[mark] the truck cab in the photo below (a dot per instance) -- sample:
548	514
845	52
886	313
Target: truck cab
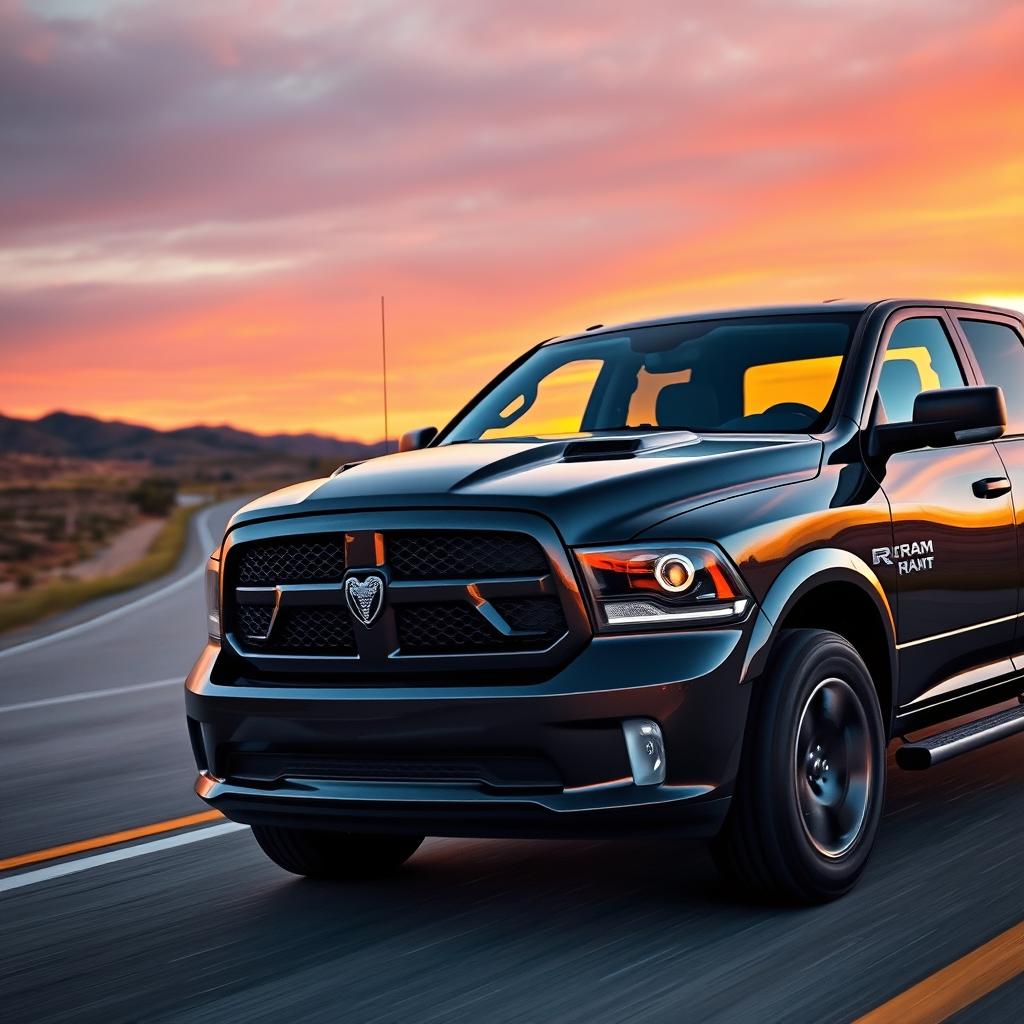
681	577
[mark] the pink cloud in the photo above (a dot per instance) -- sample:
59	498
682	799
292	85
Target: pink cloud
186	196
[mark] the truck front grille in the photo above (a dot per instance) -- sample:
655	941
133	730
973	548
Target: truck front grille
446	593
253	620
445	628
453	627
529	614
447	555
316	560
315	630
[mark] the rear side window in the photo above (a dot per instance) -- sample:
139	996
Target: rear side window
1000	354
919	358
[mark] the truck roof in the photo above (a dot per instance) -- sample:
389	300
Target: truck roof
828	306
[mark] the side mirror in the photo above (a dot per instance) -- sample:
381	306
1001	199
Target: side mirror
412	440
944	417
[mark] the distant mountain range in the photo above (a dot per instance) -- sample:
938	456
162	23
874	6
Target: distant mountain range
64	433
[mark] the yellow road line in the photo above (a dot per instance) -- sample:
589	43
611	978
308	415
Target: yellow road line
108	840
957	986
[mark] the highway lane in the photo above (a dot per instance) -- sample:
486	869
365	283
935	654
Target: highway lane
94	766
60	653
471	930
493	930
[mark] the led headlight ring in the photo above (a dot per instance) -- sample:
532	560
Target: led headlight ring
674	573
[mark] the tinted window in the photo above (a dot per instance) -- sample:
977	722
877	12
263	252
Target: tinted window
1000	355
919	358
559	403
750	374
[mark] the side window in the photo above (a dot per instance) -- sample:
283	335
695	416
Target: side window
919	357
556	407
1000	354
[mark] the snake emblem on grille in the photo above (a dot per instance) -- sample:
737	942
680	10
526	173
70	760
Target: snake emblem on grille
365	597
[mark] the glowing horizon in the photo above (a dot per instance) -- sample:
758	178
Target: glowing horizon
201	207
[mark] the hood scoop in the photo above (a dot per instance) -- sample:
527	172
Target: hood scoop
612	448
600	448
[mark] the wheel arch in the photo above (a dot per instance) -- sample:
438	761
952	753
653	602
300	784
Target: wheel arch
835	590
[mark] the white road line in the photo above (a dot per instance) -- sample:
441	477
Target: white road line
113	856
205	541
72	698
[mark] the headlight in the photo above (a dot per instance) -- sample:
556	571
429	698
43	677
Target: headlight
213	596
662	586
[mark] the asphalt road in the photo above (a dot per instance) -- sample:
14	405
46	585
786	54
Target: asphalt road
471	930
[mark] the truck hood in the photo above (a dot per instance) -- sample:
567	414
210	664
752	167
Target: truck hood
599	489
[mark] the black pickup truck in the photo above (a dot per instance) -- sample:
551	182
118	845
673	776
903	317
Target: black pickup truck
683	577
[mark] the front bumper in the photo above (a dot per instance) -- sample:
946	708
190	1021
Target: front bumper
687	682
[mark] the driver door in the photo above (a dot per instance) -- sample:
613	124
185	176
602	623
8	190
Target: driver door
953	559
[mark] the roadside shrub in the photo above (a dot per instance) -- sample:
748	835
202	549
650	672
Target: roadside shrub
155	496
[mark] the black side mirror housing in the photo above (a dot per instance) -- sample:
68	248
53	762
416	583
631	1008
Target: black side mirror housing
412	440
944	417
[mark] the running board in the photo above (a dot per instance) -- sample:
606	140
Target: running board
943	746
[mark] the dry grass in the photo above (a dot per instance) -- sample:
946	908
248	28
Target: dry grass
20	609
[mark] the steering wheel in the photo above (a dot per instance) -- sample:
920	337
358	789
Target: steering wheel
793	409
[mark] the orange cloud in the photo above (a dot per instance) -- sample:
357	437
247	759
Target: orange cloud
201	214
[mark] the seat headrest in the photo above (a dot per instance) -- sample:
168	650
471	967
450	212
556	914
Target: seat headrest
687	405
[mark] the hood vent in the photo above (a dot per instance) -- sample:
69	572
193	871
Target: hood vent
610	448
594	448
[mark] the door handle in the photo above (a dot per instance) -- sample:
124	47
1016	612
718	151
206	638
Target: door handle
990	487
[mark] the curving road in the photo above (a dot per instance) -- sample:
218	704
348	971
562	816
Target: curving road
194	924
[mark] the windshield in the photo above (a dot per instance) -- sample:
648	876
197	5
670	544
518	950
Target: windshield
768	374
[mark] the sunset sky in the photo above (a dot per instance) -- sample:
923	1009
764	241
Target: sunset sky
202	202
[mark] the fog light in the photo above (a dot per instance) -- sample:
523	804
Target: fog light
646	748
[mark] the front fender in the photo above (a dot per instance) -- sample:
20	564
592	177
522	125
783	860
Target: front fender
803	574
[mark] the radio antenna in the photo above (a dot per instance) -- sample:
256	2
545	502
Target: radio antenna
384	363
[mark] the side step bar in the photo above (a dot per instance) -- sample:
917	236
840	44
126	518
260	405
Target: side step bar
932	750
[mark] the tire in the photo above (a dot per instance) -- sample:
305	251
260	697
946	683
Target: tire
325	854
811	785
